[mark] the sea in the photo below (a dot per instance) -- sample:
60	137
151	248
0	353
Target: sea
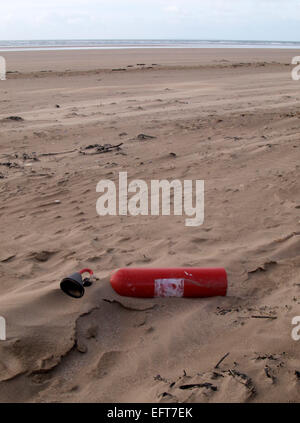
24	45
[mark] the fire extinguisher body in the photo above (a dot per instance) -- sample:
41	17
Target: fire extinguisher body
164	282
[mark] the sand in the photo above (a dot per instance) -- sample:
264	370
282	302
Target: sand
232	117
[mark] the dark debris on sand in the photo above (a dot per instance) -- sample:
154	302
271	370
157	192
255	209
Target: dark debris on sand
100	149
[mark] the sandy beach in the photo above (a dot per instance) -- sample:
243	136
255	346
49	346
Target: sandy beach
230	117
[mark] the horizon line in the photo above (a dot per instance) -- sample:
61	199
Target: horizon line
152	39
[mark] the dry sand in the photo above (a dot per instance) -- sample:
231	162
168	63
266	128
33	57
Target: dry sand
232	117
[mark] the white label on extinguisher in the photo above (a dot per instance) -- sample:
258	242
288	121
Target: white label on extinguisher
169	288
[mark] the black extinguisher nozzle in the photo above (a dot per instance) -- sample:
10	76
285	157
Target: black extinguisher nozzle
74	285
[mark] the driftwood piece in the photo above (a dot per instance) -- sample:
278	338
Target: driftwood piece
221	361
143	137
100	149
57	153
264	317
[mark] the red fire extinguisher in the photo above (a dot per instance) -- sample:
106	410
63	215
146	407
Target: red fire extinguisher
164	282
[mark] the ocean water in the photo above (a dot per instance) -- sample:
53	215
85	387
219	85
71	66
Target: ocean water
22	45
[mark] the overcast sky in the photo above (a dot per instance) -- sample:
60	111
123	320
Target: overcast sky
198	19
